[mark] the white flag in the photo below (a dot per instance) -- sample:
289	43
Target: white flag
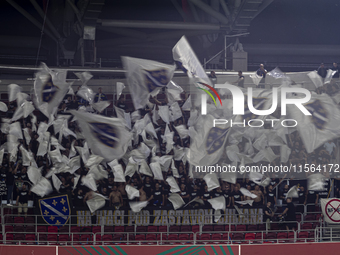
285	153
3	107
15	130
96	202
42	188
164	113
292	192
131	167
212	181
119	89
74	164
330	211
56	182
13	92
245	202
316	79
173	184
182	131
118	173
176	112
89	182
1	155
34	174
247	193
50	87
145	169
106	137
131	192
321	126
157	171
136	207
176	200
93	160
145	78
316	182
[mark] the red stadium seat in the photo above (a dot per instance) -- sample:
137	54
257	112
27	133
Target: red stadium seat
140	238
86	239
75	229
252	227
130	229
230	228
64	239
307	226
174	229
310	217
30	239
282	236
216	237
19	237
186	228
116	229
207	228
52	239
30	219
64	229
152	229
9	238
291	237
241	228
219	228
52	229
107	239
172	238
163	229
30	228
259	236
249	236
238	237
140	229
19	220
204	237
195	228
261	227
271	235
152	238
8	228
41	229
18	228
96	229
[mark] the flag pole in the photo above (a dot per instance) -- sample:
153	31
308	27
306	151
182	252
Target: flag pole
329	192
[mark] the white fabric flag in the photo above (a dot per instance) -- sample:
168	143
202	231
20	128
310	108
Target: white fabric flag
228	177
176	112
34	174
76	180
321	126
27	157
131	192
136	207
329	76
285	153
185	57
174	169
98	172
13	92
106	137
55	156
218	203
93	160
3	107
145	169
212	181
96	202
131	167
42	188
316	79
247	193
89	182
42	149
74	164
56	182
145	78
176	200
256	79
15	130
316	182
164	113
182	131
118	173
165	162
2	151
292	192
119	89
245	202
196	199
50	87
72	152
157	171
173	184
101	106
187	105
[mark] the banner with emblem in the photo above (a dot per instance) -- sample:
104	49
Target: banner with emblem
319	127
55	210
106	137
145	78
208	146
50	88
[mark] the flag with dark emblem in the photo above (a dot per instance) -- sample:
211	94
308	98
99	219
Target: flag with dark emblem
145	78
56	210
319	127
208	146
50	88
106	137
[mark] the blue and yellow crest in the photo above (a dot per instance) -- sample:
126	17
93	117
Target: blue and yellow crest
105	133
48	91
156	78
55	211
319	114
215	139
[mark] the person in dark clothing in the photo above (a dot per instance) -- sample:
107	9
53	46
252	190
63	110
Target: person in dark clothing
312	197
268	215
261	72
240	80
236	195
22	200
206	195
270	196
227	195
336	69
322	71
10	182
290	215
158	196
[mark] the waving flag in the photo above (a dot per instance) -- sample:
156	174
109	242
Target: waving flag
145	78
55	211
105	136
321	126
50	87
